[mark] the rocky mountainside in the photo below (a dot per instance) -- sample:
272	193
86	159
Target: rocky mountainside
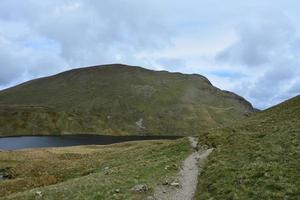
118	100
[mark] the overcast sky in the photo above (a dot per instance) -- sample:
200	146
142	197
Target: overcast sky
250	47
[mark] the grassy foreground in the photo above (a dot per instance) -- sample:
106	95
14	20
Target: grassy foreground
91	172
258	158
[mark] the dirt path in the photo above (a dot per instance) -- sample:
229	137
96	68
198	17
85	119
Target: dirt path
184	185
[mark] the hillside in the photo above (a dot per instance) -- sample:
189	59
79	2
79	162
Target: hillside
90	172
118	100
257	158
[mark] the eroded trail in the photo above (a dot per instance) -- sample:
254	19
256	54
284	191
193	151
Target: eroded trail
185	184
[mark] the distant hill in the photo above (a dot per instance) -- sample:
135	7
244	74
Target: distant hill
259	157
118	100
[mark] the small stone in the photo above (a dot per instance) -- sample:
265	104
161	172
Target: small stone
165	182
117	191
107	171
175	184
140	188
39	193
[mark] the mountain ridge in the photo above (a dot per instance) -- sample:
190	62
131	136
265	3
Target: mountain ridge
119	99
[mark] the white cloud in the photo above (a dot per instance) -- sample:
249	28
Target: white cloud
252	53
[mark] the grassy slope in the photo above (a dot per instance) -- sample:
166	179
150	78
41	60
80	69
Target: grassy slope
111	99
258	158
81	173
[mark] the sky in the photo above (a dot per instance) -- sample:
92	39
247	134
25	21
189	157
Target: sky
250	47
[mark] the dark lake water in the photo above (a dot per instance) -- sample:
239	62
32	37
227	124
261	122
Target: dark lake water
22	142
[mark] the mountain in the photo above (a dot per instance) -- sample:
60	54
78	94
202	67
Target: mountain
118	100
257	158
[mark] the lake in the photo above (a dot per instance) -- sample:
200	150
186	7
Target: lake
23	142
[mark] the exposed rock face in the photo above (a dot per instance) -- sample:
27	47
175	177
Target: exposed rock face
118	100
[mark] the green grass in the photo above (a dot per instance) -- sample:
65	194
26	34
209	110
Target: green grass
91	172
258	158
111	99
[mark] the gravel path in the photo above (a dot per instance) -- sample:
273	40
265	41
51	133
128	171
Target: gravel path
185	184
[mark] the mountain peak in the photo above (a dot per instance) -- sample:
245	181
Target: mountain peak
114	99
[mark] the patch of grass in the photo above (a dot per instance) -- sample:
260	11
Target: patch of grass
258	158
90	172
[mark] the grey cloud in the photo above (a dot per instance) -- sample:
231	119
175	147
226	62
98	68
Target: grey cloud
295	88
39	38
271	87
257	42
75	33
276	83
172	64
20	57
95	29
268	48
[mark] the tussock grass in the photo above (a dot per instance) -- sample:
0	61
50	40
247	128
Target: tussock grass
258	158
91	172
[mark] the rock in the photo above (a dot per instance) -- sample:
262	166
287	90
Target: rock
166	182
140	188
106	171
202	148
117	190
39	193
173	166
175	184
139	123
4	174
